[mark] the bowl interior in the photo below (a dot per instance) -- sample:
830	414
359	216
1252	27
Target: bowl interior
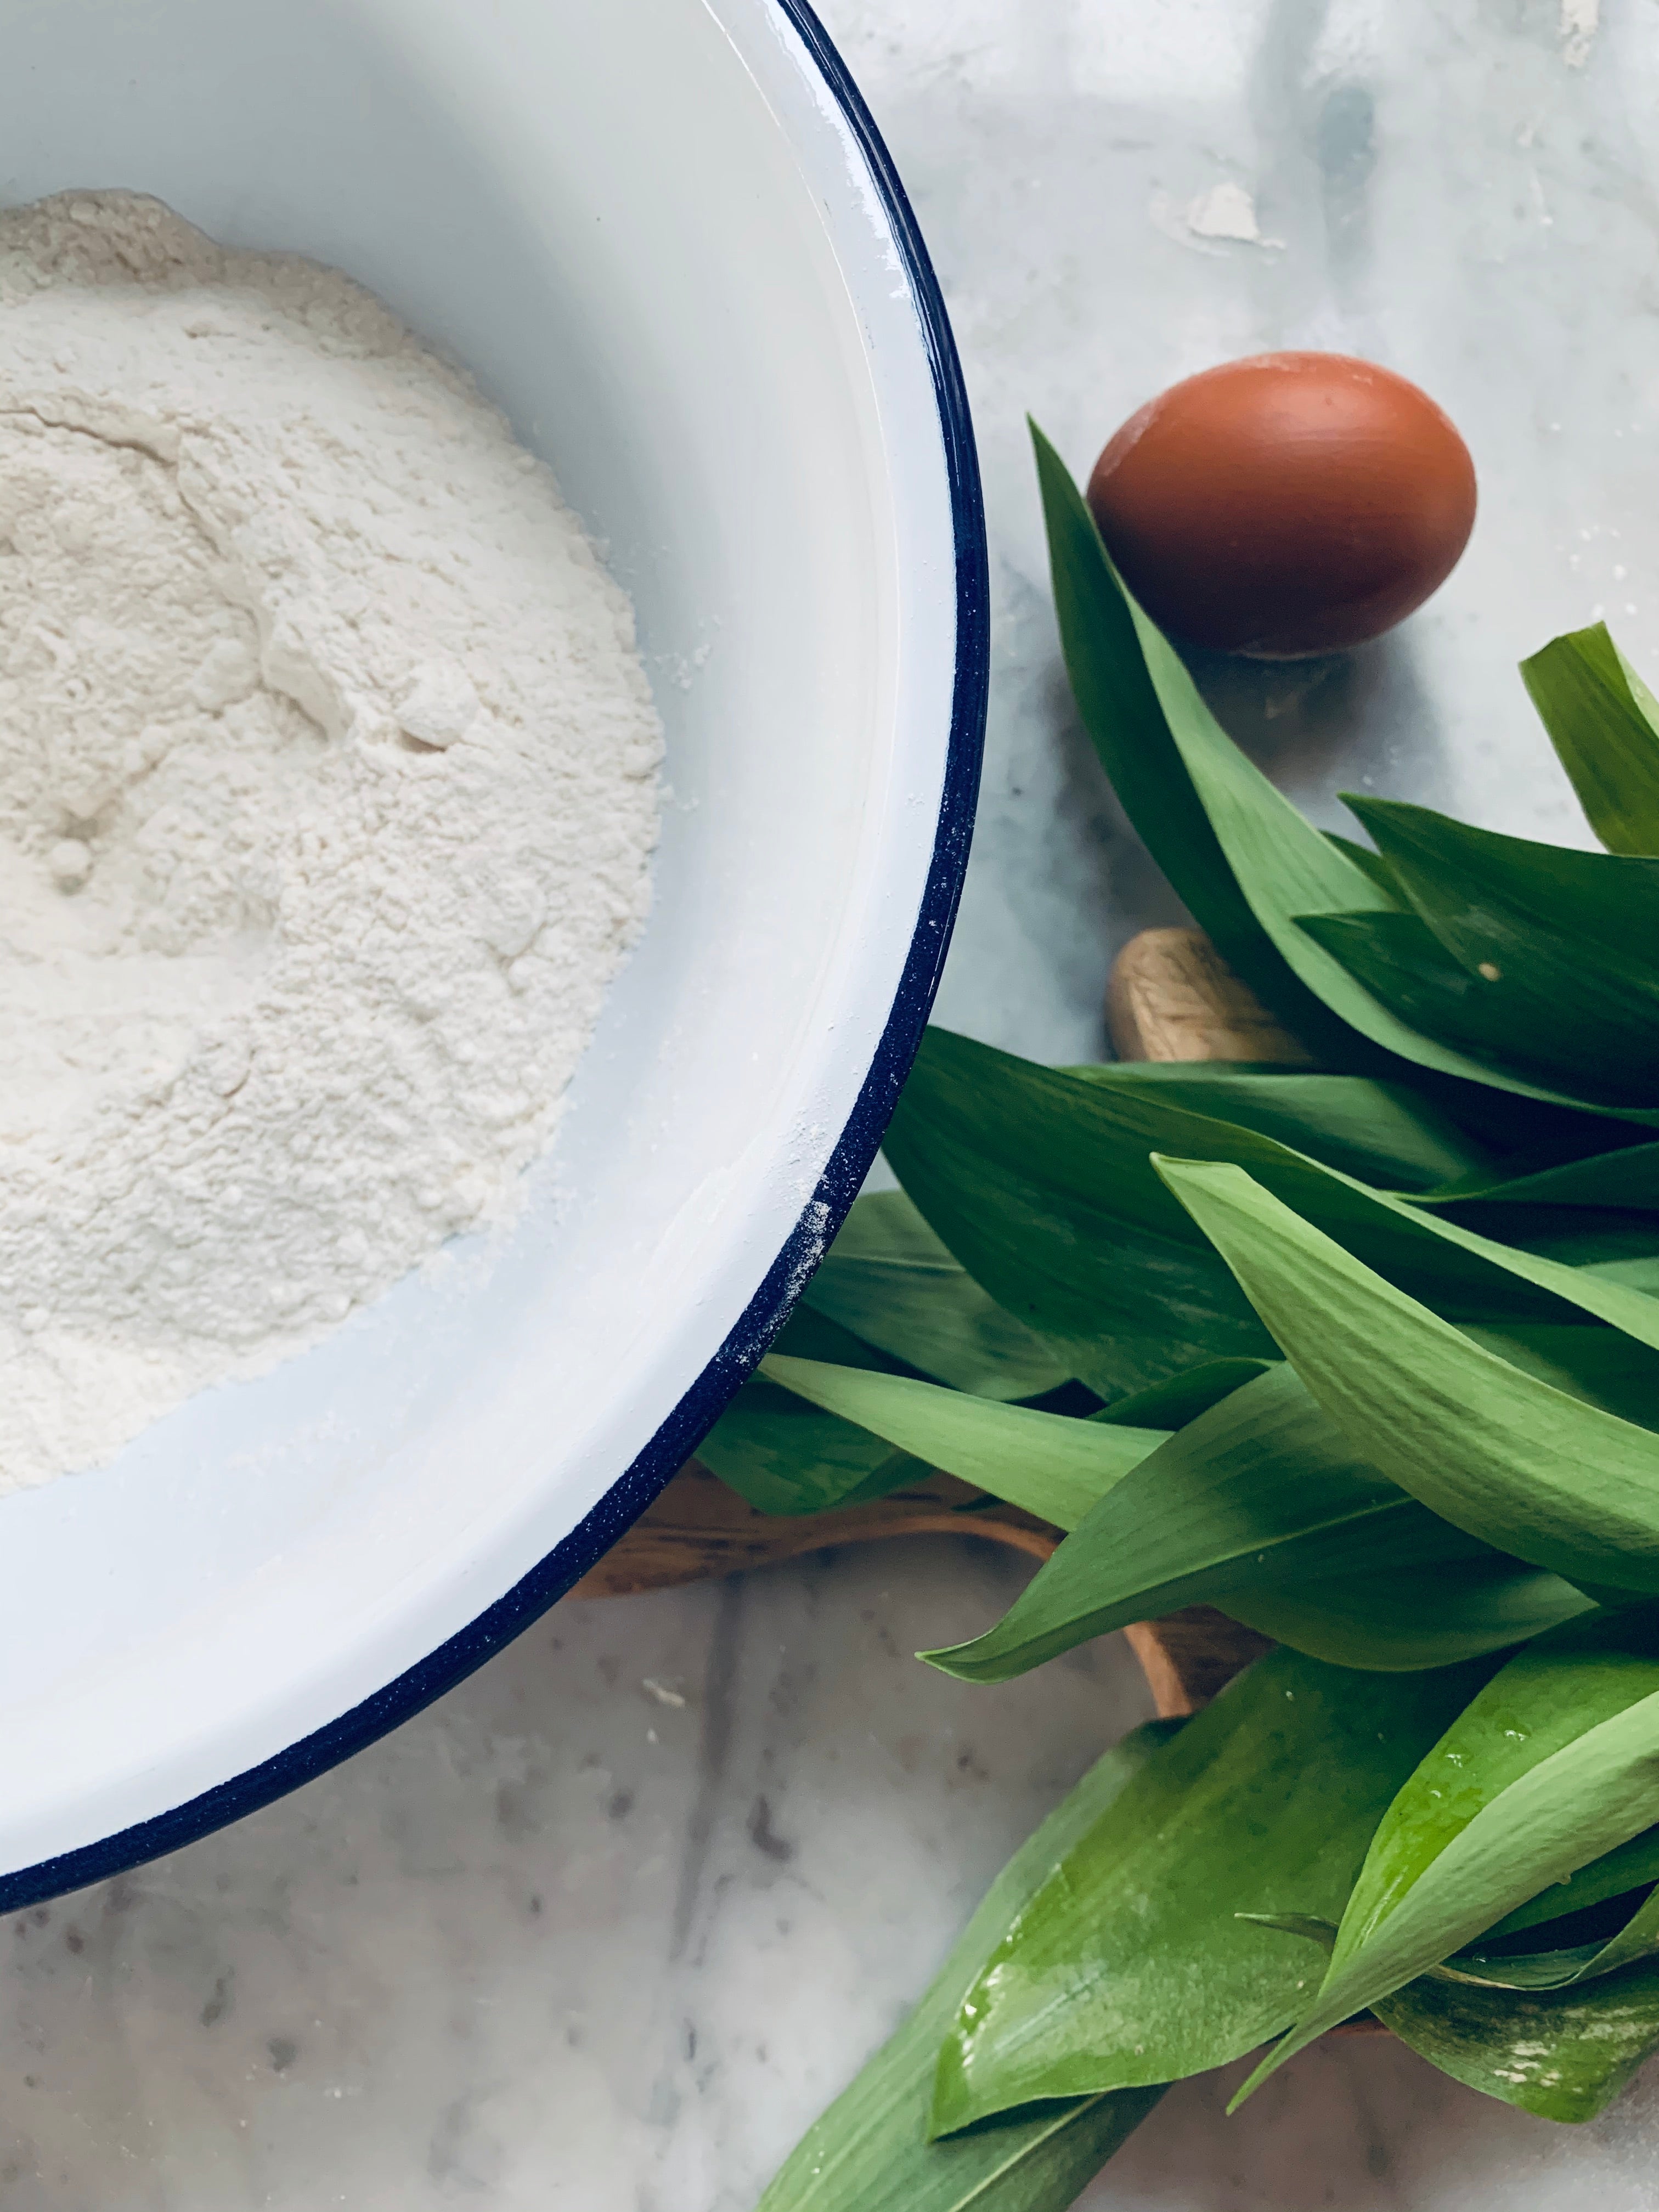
648	232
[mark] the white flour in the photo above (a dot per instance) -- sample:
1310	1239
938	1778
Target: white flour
327	792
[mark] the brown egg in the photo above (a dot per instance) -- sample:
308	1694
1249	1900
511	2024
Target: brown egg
1290	503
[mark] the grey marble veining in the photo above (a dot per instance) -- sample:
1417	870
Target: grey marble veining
604	1928
600	1930
607	1927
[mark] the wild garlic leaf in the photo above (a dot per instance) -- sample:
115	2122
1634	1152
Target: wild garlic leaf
1562	2054
1263	1490
1124	716
1171	1405
1541	1702
869	2152
785	1457
1614	1875
1510	1459
1131	1964
1553	1763
1427	1614
1556	942
1382	1133
1604	723
1042	1184
888	1278
1038	1182
1370	863
1046	1464
1625	1180
1602	1366
1511	1969
1403	965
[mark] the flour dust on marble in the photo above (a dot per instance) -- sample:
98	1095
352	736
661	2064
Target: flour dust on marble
327	794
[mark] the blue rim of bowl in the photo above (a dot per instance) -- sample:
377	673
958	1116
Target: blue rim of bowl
767	1311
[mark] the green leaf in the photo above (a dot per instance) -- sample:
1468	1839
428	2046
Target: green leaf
1039	1183
869	2153
1322	1932
1625	1179
1532	1133
1046	1463
1560	1968
1541	1702
1614	1875
1562	2054
1555	941
1495	1452
1565	2057
1555	1762
1370	863
1130	1964
1530	1970
787	1457
1401	962
809	1335
1042	1184
1423	1615
1604	723
889	1279
1588	1240
1640	1275
1121	711
1245	861
1171	1405
1600	1365
1381	1132
1254	1508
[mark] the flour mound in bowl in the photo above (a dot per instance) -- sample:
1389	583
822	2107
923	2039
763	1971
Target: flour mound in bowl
328	787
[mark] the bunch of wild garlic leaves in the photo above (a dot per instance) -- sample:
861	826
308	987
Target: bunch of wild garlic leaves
1367	1356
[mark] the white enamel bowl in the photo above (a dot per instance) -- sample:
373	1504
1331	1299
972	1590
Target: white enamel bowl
664	235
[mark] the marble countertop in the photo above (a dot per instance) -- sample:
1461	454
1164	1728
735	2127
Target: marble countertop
604	1928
